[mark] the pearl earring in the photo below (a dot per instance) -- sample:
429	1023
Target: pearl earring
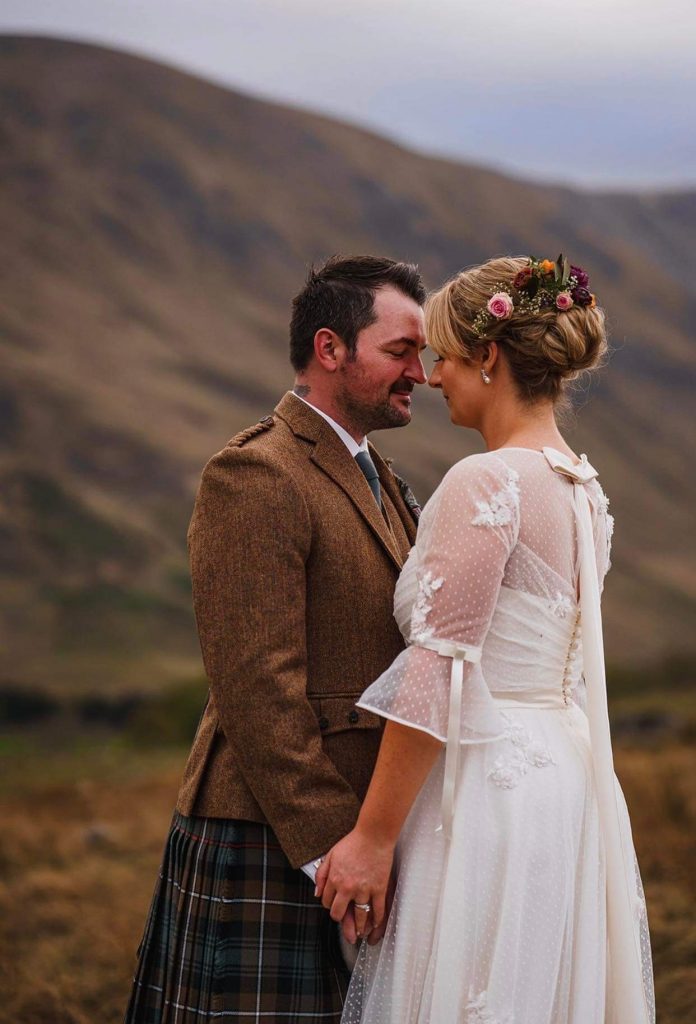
484	376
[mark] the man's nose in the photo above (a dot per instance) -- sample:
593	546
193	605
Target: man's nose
416	370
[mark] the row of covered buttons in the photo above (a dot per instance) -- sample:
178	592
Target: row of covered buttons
571	659
352	716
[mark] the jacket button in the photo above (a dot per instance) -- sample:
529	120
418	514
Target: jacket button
323	722
353	717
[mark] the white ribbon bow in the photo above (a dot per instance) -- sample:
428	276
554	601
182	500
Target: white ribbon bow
580	472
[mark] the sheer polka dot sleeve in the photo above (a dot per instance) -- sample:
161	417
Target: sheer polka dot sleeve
466	534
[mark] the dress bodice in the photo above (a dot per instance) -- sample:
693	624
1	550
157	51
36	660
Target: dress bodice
533	642
532	645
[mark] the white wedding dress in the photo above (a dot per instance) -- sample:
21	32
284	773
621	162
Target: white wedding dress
518	898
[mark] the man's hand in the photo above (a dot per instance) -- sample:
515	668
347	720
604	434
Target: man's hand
350	932
356	871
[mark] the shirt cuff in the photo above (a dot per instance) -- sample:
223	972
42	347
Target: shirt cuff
312	867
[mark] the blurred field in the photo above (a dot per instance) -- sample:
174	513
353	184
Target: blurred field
82	834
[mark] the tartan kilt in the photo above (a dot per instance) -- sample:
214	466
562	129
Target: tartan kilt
234	932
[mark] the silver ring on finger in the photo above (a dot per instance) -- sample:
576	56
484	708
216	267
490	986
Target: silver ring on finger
363	906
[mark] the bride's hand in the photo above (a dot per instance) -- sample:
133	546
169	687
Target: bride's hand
377	933
357	869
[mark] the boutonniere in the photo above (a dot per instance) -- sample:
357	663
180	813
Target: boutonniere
406	493
409	497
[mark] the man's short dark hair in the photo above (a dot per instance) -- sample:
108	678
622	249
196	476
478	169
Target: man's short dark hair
340	296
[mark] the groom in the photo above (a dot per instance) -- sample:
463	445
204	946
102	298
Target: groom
297	538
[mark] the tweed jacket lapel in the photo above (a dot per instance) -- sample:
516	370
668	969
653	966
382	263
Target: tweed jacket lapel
332	456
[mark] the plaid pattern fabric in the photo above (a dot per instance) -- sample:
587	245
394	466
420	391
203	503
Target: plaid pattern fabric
235	933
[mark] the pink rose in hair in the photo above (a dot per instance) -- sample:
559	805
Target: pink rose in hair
564	300
500	306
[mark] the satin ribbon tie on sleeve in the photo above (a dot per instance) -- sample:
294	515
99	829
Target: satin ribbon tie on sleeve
626	1001
459	653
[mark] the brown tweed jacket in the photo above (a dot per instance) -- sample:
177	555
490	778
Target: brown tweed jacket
293	569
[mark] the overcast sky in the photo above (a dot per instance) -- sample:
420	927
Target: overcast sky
596	92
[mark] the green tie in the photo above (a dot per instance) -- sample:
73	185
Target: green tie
368	470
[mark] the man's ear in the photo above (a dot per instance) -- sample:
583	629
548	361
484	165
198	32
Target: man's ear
327	346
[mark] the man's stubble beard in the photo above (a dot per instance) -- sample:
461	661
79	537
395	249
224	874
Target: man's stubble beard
365	415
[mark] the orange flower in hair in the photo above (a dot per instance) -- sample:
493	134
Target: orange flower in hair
547	266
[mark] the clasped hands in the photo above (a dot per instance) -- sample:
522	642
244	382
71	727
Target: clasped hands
358	870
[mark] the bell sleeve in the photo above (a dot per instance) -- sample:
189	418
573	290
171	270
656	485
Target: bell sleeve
465	536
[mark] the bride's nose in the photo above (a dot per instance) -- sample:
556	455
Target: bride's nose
434	380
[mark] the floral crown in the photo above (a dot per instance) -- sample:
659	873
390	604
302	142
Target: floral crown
539	285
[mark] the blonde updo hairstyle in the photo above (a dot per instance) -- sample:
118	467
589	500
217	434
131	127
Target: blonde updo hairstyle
544	349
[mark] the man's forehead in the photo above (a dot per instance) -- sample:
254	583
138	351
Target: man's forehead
398	308
388	297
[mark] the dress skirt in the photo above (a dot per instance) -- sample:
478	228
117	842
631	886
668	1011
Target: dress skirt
506	924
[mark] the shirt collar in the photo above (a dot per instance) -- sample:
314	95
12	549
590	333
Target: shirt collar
350	443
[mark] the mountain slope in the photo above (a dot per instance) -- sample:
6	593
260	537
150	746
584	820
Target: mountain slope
155	229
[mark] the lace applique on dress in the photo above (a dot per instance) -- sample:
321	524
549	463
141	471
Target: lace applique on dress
610	526
507	770
500	509
477	1013
603	510
422	606
560	605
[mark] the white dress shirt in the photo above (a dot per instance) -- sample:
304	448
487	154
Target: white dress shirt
351	444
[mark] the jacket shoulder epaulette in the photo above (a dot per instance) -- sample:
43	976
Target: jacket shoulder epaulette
246	435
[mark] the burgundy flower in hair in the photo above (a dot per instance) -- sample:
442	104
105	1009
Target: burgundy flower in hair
580	275
582	296
522	277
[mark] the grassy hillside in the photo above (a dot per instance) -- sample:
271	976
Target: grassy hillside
155	227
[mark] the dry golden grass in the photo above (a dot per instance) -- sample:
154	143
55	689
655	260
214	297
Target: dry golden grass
660	788
81	840
78	856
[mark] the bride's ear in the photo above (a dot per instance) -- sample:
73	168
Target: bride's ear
489	356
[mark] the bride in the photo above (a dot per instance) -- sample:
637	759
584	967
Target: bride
494	803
